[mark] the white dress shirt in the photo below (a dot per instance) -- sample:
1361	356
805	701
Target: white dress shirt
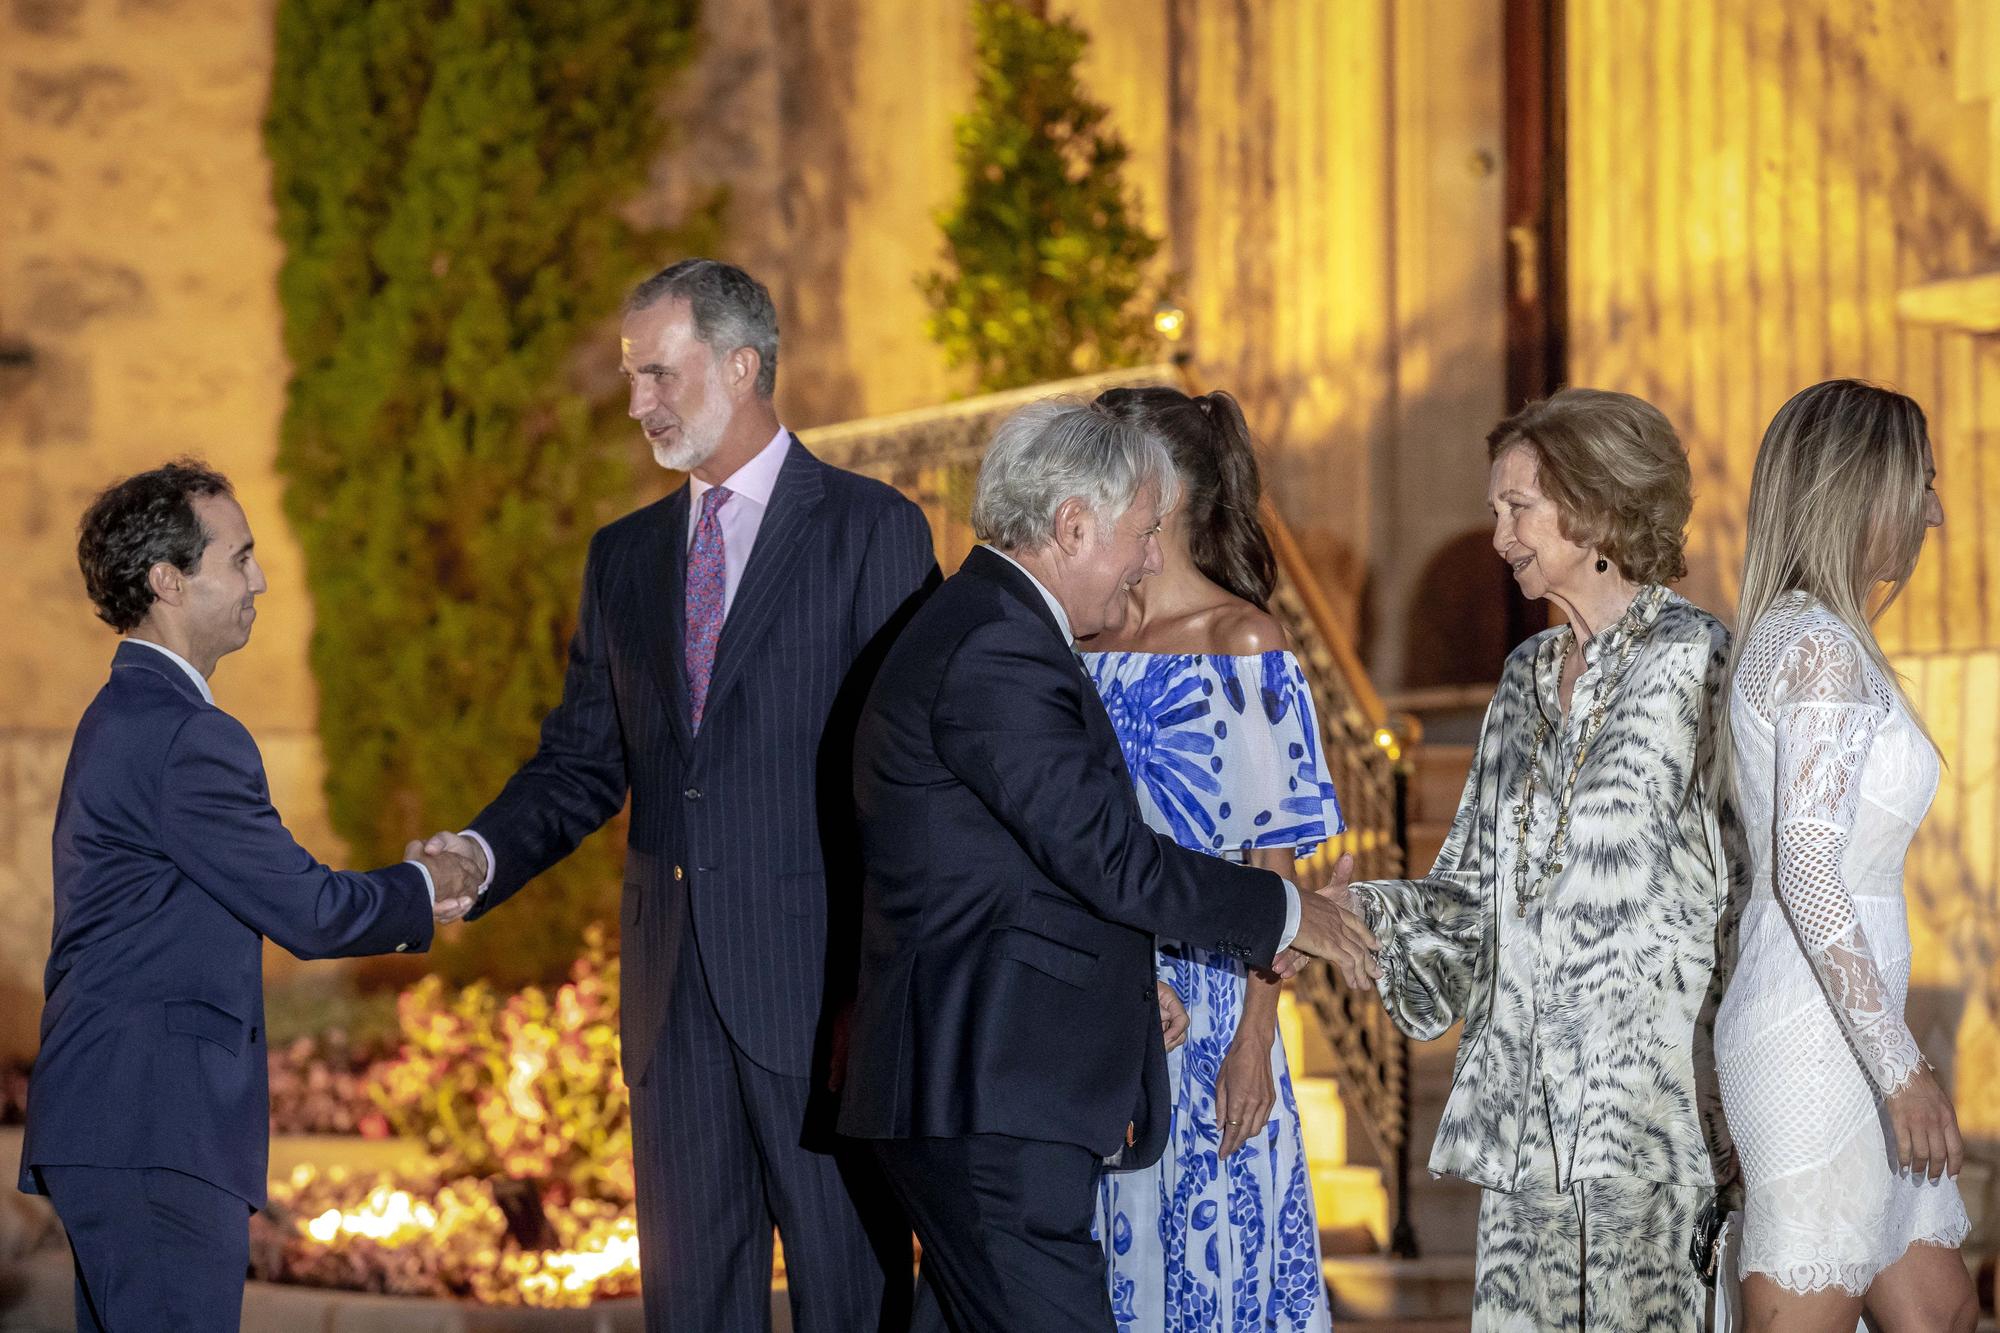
201	683
1062	621
750	488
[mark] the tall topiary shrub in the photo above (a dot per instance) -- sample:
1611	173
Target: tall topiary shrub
1045	271
448	176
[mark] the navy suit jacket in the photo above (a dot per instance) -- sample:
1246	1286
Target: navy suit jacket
1013	891
171	866
741	832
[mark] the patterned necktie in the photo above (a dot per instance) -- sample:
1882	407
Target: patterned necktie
707	580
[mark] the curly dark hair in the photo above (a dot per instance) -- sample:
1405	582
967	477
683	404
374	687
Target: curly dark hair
135	524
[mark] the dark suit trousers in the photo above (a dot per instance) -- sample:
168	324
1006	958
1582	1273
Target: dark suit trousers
156	1251
1005	1225
719	1151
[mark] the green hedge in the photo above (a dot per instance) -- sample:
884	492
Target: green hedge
448	177
1045	256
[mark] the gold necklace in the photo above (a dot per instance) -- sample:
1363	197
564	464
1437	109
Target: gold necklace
1552	864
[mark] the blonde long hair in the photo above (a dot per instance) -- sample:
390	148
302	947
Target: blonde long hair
1836	507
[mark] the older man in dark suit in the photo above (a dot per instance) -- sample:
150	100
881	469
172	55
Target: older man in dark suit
724	637
148	1116
1006	1039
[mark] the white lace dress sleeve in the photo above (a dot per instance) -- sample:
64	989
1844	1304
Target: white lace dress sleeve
1824	723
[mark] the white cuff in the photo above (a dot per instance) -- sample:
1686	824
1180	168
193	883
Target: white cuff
486	850
430	885
1291	914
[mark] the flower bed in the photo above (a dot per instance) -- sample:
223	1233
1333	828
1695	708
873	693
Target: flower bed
522	1195
414	1233
319	1085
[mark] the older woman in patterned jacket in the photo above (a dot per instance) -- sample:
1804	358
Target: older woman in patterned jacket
1574	917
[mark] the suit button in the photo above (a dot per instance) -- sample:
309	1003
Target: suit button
678	873
692	793
1147	995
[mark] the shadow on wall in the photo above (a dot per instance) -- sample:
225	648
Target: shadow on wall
1465	616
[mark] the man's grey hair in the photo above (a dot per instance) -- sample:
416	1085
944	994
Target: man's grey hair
1058	449
731	310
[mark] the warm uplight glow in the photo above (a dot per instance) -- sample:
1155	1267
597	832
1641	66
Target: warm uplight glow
528	1066
391	1216
1169	321
561	1277
1385	740
450	1238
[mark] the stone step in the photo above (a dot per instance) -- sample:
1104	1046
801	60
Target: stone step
1351	1200
1322	1119
1372	1289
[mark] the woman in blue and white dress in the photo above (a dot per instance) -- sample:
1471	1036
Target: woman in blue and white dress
1220	735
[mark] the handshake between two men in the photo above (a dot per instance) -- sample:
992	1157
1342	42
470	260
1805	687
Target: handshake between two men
457	867
1329	926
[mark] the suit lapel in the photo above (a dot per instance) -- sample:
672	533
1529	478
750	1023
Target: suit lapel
666	616
780	539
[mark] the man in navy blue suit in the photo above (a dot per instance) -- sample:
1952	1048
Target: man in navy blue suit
1007	1034
148	1115
725	637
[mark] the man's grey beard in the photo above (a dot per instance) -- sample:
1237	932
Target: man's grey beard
687	452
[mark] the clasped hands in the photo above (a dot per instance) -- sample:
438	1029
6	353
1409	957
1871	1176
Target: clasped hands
1330	928
458	868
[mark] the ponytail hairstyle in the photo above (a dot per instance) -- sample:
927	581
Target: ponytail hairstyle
1209	442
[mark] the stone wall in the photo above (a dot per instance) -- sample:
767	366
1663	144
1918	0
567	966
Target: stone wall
1320	208
137	265
1326	178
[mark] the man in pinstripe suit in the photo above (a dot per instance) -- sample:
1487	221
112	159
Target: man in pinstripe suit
725	637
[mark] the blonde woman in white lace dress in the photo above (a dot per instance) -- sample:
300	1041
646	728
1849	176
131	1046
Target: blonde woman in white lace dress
1848	1146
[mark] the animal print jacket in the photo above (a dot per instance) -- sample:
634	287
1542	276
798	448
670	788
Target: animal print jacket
1603	996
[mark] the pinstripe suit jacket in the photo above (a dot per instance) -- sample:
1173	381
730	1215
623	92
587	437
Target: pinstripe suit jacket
742	832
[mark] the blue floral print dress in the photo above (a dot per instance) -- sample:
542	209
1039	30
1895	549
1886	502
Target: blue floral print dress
1226	755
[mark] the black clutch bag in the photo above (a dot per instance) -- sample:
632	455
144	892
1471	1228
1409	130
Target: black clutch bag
1705	1248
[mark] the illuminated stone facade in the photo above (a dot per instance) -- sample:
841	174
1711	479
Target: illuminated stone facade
1752	189
1763	196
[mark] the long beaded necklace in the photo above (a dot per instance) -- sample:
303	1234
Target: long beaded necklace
1635	624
